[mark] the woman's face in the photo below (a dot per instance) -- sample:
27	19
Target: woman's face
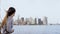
13	14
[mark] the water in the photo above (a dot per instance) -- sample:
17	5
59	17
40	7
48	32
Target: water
37	29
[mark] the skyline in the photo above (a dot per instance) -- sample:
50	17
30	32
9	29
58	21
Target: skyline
34	8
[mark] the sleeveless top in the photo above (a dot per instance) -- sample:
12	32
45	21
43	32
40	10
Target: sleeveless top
9	25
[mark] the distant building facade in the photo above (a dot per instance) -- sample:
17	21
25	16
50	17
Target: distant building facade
45	20
39	21
23	22
27	21
35	21
31	20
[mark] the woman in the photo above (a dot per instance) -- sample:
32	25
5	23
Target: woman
7	23
0	29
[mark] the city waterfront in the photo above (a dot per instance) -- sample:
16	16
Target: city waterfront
36	29
31	16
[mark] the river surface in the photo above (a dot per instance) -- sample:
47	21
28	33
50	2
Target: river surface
36	29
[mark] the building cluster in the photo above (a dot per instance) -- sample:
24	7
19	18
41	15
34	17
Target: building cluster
31	21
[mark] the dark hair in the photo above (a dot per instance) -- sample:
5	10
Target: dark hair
10	11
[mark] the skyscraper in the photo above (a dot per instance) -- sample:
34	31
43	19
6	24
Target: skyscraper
35	20
22	18
31	20
22	21
40	22
45	20
27	21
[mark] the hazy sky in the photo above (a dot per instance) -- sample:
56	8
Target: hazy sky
33	8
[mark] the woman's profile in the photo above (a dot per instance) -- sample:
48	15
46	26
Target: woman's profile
7	23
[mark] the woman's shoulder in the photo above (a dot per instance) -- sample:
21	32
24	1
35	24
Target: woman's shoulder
10	19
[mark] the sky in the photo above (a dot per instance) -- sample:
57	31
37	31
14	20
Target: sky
33	8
